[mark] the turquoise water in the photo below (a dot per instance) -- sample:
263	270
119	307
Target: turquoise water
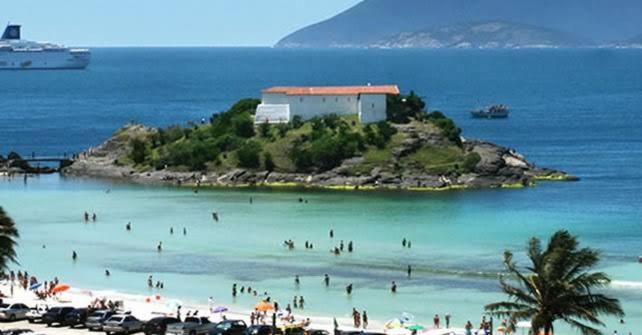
576	110
457	242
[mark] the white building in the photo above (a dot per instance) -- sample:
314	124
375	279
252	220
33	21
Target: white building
281	104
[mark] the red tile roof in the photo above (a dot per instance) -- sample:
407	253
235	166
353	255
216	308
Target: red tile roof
333	90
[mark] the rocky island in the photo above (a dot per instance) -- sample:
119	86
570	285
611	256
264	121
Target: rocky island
413	150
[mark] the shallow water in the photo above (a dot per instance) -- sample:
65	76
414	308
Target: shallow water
574	110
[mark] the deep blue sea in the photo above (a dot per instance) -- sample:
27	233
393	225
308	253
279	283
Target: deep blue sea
575	110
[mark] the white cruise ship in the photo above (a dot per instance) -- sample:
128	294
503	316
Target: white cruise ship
18	54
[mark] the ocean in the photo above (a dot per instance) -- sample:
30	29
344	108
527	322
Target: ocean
574	110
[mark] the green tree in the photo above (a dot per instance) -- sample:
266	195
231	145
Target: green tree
264	129
139	151
268	162
248	155
558	285
401	109
8	236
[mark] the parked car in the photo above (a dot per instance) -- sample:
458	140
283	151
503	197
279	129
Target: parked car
229	327
56	315
13	312
96	320
193	325
316	332
158	326
263	330
35	314
122	324
77	317
18	331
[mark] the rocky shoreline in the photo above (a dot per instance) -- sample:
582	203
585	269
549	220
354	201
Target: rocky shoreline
499	167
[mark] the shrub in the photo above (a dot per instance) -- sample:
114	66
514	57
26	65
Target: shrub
264	129
139	151
471	161
248	155
447	126
268	162
296	122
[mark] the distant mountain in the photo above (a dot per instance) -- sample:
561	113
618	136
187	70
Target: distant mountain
372	21
492	34
633	43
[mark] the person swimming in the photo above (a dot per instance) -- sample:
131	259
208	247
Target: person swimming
215	216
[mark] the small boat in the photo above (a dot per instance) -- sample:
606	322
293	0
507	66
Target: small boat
492	112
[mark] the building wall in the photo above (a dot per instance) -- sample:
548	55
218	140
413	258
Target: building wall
372	108
369	107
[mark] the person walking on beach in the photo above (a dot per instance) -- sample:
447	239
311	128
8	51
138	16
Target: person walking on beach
365	319
447	318
326	280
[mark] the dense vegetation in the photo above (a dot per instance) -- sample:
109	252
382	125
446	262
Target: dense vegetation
232	140
8	236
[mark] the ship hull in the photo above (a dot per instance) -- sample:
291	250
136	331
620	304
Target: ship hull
44	60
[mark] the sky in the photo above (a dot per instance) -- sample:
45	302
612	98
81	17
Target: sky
166	22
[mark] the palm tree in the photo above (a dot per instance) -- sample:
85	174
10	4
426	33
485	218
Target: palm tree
558	285
8	234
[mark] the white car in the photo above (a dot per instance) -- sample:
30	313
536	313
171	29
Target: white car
35	314
13	312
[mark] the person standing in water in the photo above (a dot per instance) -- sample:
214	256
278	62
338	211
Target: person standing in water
301	302
349	289
350	248
297	281
331	233
326	280
393	287
107	273
171	230
74	255
409	270
128	227
234	290
447	318
184	231
159	247
403	242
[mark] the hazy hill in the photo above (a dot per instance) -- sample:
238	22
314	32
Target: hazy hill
373	20
491	34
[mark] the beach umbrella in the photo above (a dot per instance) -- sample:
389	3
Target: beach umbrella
35	286
264	306
415	327
60	288
406	317
219	309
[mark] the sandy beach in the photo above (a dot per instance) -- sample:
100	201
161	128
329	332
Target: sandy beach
147	307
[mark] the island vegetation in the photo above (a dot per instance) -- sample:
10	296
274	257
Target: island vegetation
8	236
413	148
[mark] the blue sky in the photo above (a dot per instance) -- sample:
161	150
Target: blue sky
166	22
